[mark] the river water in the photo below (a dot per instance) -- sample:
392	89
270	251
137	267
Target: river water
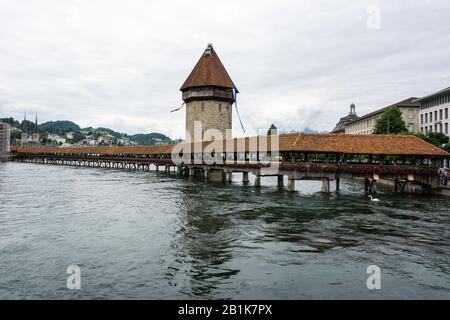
143	235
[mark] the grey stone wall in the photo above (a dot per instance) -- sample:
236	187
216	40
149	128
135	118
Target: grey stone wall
212	114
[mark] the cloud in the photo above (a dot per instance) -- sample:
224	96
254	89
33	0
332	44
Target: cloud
297	64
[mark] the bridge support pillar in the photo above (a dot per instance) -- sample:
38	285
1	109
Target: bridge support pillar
206	172
245	177
178	170
338	184
291	184
257	180
325	185
370	185
280	181
157	168
229	177
374	186
191	172
216	175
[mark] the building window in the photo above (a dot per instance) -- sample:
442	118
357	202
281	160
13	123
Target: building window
435	116
440	114
431	116
446	128
421	119
446	113
411	127
410	113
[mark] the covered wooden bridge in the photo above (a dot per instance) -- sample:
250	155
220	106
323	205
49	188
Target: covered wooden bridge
403	159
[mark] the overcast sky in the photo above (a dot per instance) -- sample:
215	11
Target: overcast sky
298	64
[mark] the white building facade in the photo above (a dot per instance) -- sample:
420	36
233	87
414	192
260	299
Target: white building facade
409	108
434	112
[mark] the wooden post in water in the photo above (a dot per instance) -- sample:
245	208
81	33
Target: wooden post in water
245	177
280	181
291	183
257	180
325	185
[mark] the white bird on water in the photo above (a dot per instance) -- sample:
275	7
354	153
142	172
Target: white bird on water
374	199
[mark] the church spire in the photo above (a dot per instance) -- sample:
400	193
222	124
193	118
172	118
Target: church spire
24	127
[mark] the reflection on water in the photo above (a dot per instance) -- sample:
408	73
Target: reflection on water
143	235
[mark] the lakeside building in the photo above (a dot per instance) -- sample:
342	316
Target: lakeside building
409	108
5	139
434	112
352	116
56	138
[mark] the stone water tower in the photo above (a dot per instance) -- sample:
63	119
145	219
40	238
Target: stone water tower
208	94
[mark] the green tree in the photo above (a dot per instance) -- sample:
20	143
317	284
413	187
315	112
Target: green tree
391	122
77	137
272	130
437	138
16	135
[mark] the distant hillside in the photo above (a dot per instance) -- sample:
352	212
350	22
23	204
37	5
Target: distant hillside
150	138
59	126
308	130
11	122
115	134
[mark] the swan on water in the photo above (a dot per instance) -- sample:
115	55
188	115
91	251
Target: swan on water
373	199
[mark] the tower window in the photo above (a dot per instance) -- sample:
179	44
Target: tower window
203	106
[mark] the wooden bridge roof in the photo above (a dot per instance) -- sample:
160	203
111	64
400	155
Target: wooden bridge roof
407	145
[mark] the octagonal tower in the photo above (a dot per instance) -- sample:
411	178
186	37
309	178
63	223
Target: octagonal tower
208	93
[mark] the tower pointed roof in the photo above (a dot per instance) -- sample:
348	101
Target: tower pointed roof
209	71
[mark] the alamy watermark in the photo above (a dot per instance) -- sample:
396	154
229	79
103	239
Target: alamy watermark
74	279
373	17
374	280
222	150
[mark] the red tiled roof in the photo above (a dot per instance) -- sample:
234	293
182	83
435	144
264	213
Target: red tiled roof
364	144
209	71
407	145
